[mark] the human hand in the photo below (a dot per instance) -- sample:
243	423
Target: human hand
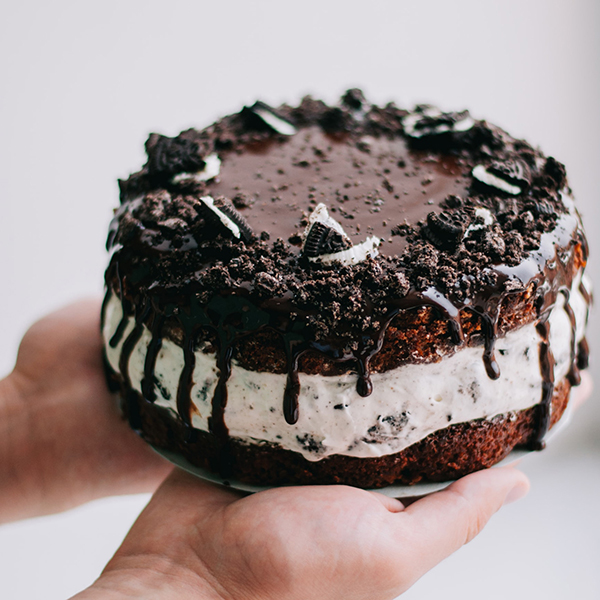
62	439
199	540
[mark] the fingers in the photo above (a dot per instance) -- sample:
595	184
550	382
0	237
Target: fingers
436	526
60	342
391	504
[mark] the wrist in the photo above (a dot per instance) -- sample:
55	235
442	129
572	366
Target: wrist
151	578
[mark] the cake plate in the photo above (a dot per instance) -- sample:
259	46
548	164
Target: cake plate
393	491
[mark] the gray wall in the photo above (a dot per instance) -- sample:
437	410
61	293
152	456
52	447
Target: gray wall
84	82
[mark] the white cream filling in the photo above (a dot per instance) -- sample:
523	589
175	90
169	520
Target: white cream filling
351	256
211	169
407	403
273	121
483	175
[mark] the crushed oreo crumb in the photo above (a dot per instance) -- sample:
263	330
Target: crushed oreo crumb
444	230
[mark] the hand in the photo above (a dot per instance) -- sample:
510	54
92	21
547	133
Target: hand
62	439
198	540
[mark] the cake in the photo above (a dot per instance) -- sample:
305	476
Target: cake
352	294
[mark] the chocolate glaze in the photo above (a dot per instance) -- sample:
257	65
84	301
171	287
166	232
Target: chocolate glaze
175	273
573	375
286	177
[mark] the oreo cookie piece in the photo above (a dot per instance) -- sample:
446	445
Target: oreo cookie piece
326	242
260	116
225	216
322	239
444	230
511	176
354	99
556	172
429	121
335	120
320	217
169	156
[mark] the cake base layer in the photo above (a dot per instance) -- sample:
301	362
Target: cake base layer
449	453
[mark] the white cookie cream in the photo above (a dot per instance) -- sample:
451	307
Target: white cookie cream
407	404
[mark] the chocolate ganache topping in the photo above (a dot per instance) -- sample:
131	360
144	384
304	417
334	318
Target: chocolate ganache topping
324	227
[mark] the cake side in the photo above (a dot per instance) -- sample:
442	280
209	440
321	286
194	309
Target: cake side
444	455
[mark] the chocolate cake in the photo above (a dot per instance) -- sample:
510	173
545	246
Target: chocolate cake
345	294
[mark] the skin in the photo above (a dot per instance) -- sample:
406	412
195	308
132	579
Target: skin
63	443
62	439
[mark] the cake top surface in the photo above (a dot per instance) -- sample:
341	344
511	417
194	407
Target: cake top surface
333	210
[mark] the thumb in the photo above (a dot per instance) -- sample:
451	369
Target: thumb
440	524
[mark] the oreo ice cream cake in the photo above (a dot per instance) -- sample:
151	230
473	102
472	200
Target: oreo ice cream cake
345	294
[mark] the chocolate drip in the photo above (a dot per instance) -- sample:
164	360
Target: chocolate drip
186	380
573	375
586	295
216	421
547	371
444	307
232	317
119	331
583	354
154	347
364	385
291	393
132	339
489	328
583	349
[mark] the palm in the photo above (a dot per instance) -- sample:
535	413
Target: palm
314	536
321	542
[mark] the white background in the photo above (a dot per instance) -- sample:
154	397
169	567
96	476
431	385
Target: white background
83	83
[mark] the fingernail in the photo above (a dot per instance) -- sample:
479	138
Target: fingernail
518	492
